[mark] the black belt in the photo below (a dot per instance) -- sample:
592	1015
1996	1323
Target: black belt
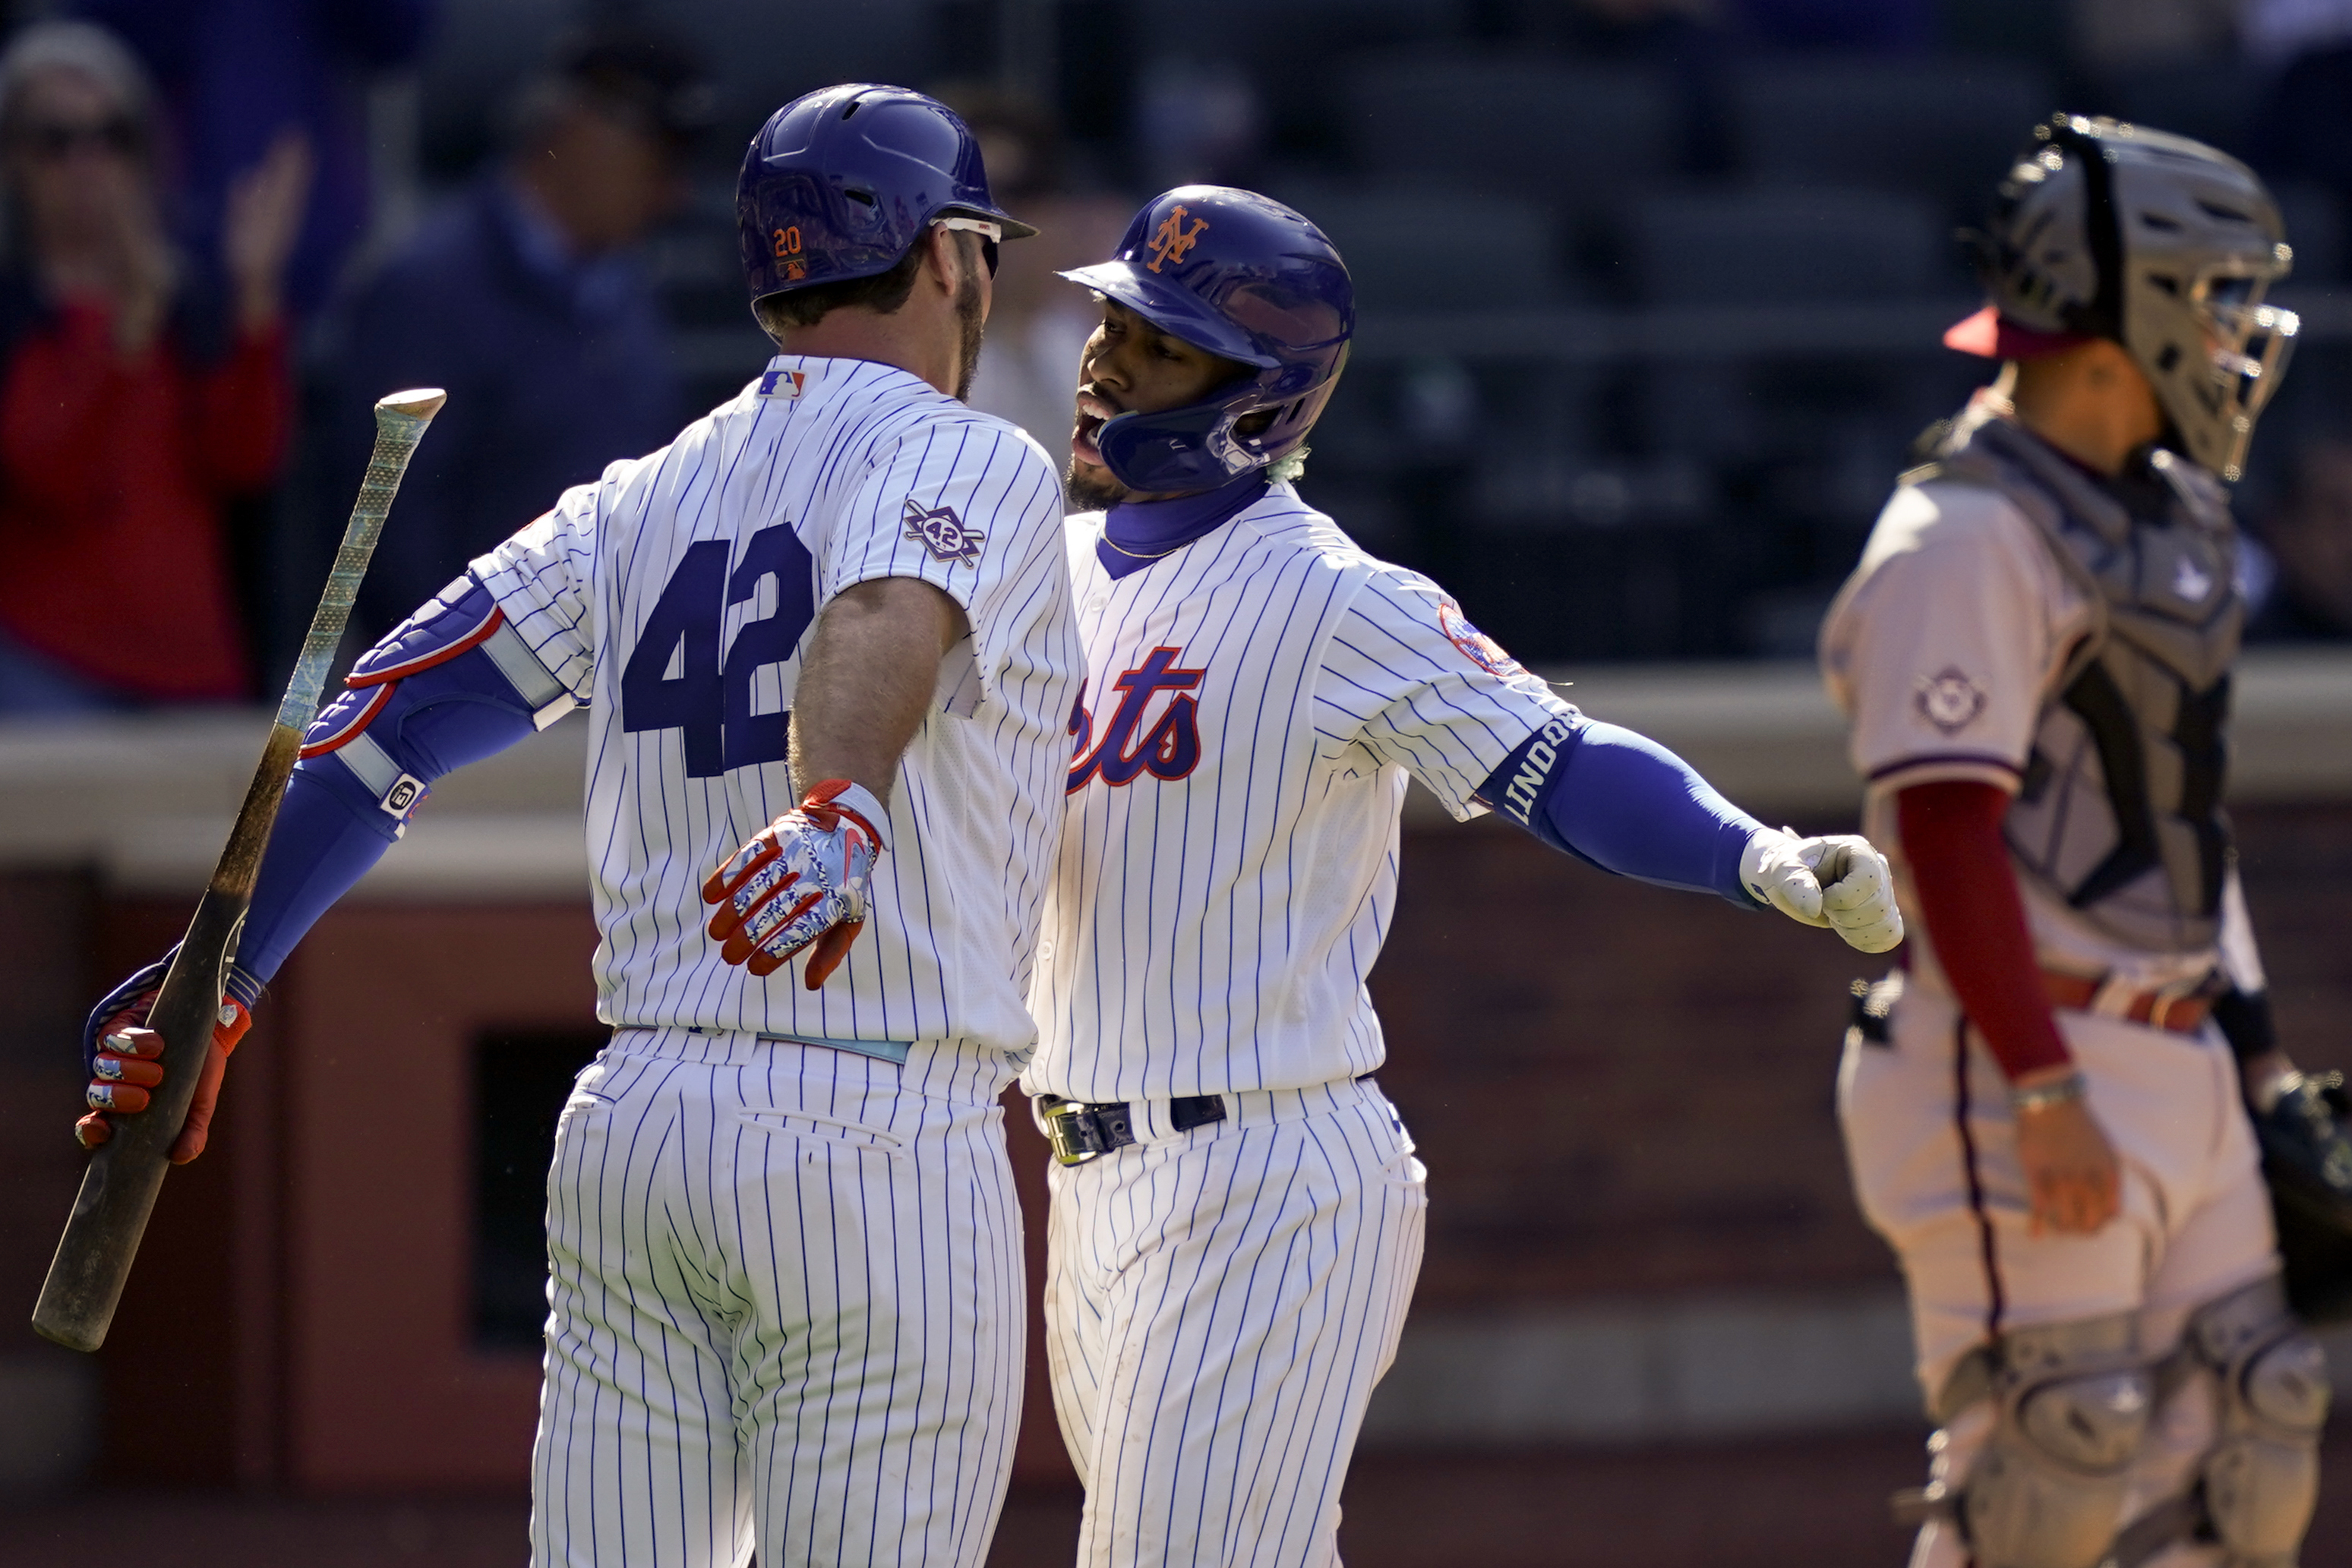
1080	1132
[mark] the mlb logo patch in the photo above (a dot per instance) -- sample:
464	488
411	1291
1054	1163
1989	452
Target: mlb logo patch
783	384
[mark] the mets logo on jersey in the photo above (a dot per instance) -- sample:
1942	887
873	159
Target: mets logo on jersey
1172	239
1476	646
1134	741
939	530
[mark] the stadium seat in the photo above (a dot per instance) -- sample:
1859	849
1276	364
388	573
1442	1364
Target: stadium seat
1544	130
1789	246
1418	248
1943	129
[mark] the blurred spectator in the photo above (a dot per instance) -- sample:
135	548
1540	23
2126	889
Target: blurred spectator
2309	538
237	75
520	298
2305	47
1038	323
140	390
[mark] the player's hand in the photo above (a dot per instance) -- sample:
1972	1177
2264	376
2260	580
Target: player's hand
2071	1175
1840	882
262	220
800	882
125	1069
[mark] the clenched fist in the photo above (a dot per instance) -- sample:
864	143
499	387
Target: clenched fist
1839	882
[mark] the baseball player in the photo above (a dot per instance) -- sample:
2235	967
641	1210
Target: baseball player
831	619
1236	1212
2041	1117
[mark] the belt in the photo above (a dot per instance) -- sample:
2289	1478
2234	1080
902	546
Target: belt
1080	1132
2182	1008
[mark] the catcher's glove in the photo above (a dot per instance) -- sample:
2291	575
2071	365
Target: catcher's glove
2307	1161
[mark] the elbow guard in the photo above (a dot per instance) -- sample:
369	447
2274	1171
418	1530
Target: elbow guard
453	682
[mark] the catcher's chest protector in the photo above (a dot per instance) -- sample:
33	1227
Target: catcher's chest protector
2120	811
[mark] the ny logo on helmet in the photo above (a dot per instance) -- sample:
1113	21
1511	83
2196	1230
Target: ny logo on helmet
1173	239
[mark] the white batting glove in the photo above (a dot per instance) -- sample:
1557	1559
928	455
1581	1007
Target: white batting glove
1840	882
799	883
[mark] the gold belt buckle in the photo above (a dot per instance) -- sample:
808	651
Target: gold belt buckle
1068	1130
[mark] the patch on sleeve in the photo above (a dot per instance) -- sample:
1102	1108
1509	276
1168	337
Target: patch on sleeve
1949	700
947	537
1476	646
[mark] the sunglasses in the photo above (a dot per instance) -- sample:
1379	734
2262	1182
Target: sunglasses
55	143
988	233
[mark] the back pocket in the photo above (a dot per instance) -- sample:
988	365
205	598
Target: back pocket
823	1137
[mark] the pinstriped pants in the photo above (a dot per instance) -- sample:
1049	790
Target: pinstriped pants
1218	1303
785	1292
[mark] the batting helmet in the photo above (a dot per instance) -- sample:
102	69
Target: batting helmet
840	182
2108	230
1246	278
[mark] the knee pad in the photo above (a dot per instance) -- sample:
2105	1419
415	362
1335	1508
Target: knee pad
2261	1478
2071	1404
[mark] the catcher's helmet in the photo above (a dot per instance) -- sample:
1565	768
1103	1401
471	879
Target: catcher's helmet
2162	244
841	181
1246	278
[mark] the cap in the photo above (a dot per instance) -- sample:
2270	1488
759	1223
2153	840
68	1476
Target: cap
1985	333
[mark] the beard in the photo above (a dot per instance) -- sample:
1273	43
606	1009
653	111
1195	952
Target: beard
971	324
1089	494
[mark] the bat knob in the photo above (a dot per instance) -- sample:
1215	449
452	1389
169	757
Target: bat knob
417	403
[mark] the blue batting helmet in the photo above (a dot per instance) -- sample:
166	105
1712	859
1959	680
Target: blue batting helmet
840	182
1246	278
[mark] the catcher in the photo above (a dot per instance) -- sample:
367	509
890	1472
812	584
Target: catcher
2058	1114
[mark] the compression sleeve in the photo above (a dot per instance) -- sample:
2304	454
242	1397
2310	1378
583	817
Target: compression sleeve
1968	898
1622	802
341	813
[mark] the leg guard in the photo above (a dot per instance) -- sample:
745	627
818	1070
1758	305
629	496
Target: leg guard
2072	1402
2263	1476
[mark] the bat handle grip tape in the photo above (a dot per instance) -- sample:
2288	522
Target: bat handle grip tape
400	422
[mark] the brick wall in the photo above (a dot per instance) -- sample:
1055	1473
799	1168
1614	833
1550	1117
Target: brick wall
1620	1090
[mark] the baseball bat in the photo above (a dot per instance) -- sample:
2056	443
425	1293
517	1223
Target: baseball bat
126	1172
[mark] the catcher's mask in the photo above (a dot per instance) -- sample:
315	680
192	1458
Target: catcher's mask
2110	230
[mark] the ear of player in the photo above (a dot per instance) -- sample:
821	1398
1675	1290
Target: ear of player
122	1056
1839	882
800	882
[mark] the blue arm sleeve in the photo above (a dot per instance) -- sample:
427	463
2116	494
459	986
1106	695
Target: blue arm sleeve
1622	802
333	827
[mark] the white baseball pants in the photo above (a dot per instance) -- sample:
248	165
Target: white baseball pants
1933	1147
786	1309
1218	1303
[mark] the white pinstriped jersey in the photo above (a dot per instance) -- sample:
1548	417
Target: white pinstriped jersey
1228	864
673	597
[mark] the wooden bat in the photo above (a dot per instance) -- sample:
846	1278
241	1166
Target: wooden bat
126	1172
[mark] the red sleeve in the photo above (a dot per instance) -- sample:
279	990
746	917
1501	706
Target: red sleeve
1968	898
57	415
243	413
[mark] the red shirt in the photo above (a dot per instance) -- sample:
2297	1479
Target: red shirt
113	475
